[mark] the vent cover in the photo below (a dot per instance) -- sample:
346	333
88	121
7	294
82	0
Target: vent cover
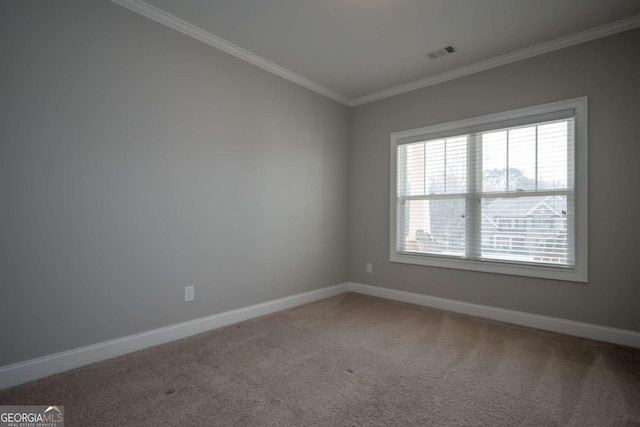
441	52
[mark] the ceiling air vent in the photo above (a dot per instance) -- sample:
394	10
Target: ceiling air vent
441	52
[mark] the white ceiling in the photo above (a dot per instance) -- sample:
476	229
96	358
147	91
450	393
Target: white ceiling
361	47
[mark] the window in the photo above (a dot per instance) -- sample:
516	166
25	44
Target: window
505	193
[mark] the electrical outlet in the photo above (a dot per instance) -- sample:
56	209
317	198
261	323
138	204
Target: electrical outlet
189	294
369	267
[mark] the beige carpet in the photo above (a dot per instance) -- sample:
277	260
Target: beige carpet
353	360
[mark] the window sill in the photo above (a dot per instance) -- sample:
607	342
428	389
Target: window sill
539	271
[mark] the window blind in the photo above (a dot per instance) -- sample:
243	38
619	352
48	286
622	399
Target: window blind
498	192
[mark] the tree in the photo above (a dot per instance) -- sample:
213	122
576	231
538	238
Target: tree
496	180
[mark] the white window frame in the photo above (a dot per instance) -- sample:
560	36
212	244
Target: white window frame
577	273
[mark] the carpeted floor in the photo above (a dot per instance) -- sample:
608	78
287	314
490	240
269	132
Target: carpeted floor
354	360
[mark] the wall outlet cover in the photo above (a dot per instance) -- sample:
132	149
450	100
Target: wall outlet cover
189	293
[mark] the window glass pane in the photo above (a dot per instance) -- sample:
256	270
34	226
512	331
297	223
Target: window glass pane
433	167
552	155
434	163
432	226
522	159
413	182
494	161
528	229
456	176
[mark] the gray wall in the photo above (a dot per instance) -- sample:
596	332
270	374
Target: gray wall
134	161
607	71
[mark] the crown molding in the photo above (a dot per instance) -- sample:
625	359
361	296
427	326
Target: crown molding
171	21
197	33
518	55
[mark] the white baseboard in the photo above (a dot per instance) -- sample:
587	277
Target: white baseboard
569	327
33	369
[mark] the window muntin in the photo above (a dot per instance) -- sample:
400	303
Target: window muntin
493	196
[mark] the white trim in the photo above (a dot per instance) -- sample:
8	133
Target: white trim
197	33
171	21
580	194
41	367
508	58
553	324
33	369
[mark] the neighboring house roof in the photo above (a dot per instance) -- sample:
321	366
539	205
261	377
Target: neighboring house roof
522	207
